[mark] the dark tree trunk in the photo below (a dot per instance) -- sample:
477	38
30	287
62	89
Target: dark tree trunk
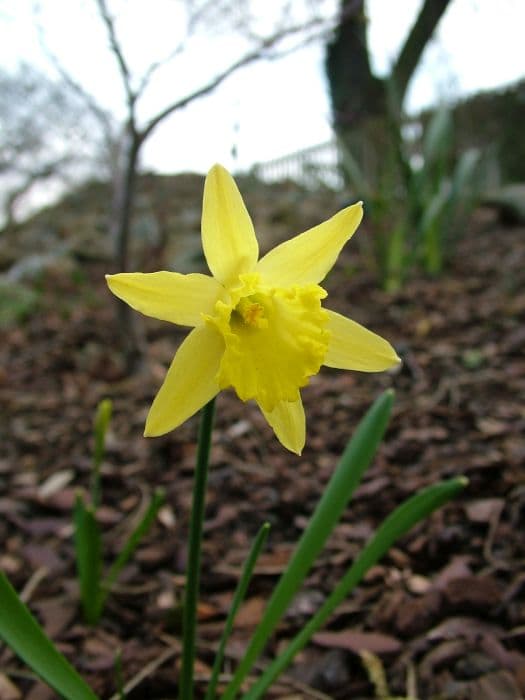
356	94
415	44
120	226
123	197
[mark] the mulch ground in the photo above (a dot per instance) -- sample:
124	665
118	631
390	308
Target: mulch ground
444	611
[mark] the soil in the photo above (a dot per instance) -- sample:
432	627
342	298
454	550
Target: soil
443	612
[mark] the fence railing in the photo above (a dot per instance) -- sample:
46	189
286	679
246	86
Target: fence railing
310	166
321	164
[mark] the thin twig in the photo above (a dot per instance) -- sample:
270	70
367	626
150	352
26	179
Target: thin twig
260	53
101	114
154	67
33	584
147	670
117	52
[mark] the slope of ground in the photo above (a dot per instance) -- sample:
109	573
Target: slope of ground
444	610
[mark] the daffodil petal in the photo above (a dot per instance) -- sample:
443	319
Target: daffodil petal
190	382
288	423
352	346
307	258
228	237
168	296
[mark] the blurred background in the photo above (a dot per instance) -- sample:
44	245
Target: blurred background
111	113
60	60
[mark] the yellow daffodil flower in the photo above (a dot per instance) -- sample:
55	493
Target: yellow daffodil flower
258	325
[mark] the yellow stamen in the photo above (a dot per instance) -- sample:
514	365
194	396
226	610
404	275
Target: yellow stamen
252	313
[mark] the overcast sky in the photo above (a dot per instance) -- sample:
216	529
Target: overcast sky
271	109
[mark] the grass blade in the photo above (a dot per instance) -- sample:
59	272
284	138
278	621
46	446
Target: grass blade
394	526
88	552
21	632
133	541
102	419
240	593
356	458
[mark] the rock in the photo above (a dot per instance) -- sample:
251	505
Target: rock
509	200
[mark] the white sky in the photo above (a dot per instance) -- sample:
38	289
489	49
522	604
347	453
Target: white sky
270	109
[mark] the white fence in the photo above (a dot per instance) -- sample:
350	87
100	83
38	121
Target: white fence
311	166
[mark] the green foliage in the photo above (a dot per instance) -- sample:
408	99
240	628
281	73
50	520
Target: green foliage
94	587
24	635
17	302
143	525
441	192
238	598
21	632
102	419
88	554
397	524
334	500
418	210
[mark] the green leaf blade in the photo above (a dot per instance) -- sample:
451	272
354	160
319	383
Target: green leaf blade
354	461
239	596
88	551
394	526
22	633
133	541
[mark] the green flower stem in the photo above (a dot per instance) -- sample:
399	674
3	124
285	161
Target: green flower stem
191	595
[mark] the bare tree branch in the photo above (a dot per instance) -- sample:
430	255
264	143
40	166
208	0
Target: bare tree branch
213	16
416	42
154	67
117	52
102	115
262	52
31	177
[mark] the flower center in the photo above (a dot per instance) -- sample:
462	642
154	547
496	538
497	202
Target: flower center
275	339
250	311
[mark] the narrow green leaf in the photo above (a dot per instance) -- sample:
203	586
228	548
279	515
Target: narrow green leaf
395	259
22	633
240	593
438	137
394	526
88	552
434	207
119	676
354	172
356	458
102	418
465	187
133	541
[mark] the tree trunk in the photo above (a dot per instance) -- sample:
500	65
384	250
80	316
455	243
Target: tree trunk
355	93
420	34
123	197
120	225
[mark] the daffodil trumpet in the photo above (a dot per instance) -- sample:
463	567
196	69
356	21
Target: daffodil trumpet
258	325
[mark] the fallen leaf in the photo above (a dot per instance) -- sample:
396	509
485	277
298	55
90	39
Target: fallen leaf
8	690
483	510
358	641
